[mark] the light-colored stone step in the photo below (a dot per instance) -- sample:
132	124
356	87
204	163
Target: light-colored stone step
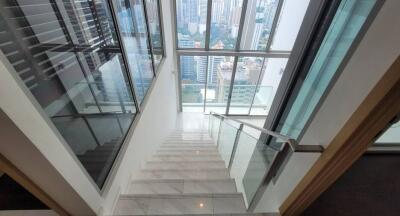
188	151
180	157
185	165
180	204
183	174
182	186
193	141
188	145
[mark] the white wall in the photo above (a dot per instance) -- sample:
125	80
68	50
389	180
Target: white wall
157	120
377	50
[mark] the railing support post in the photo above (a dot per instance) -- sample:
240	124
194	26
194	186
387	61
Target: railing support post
238	132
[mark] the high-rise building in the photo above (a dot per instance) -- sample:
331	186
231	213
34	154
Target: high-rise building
187	62
213	64
201	68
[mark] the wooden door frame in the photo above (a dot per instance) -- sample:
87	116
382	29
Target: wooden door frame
373	115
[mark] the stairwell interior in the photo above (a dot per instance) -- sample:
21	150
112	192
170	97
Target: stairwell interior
185	176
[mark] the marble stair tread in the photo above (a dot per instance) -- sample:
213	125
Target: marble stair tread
189	150
188	147
181	204
183	174
182	186
186	142
185	158
185	165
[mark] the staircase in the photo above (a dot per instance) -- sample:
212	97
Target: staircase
96	160
186	176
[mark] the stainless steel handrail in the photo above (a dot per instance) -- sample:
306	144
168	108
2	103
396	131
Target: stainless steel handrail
292	142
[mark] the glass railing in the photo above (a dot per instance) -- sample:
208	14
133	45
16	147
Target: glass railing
251	162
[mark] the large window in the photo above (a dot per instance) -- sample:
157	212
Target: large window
69	55
233	52
225	20
154	21
191	17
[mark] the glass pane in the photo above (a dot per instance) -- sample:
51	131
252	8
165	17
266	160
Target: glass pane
219	79
152	9
258	24
132	24
345	26
215	123
193	71
391	135
225	20
67	55
226	140
288	25
259	163
242	157
191	19
244	85
269	83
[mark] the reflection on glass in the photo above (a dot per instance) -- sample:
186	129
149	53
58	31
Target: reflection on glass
347	22
132	24
193	71
391	135
226	140
258	24
225	20
268	85
65	53
259	163
288	25
244	85
152	9
218	82
191	18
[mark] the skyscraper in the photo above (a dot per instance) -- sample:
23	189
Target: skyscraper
187	62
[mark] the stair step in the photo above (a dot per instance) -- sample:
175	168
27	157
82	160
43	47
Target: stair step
188	145
184	174
176	140
207	148
181	204
182	186
185	165
165	157
201	151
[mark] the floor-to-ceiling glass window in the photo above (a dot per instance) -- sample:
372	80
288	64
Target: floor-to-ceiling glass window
154	22
132	25
247	43
225	20
68	54
247	74
219	78
191	18
193	72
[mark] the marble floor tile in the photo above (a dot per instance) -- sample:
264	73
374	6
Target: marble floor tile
229	205
210	186
153	187
180	206
186	165
132	206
